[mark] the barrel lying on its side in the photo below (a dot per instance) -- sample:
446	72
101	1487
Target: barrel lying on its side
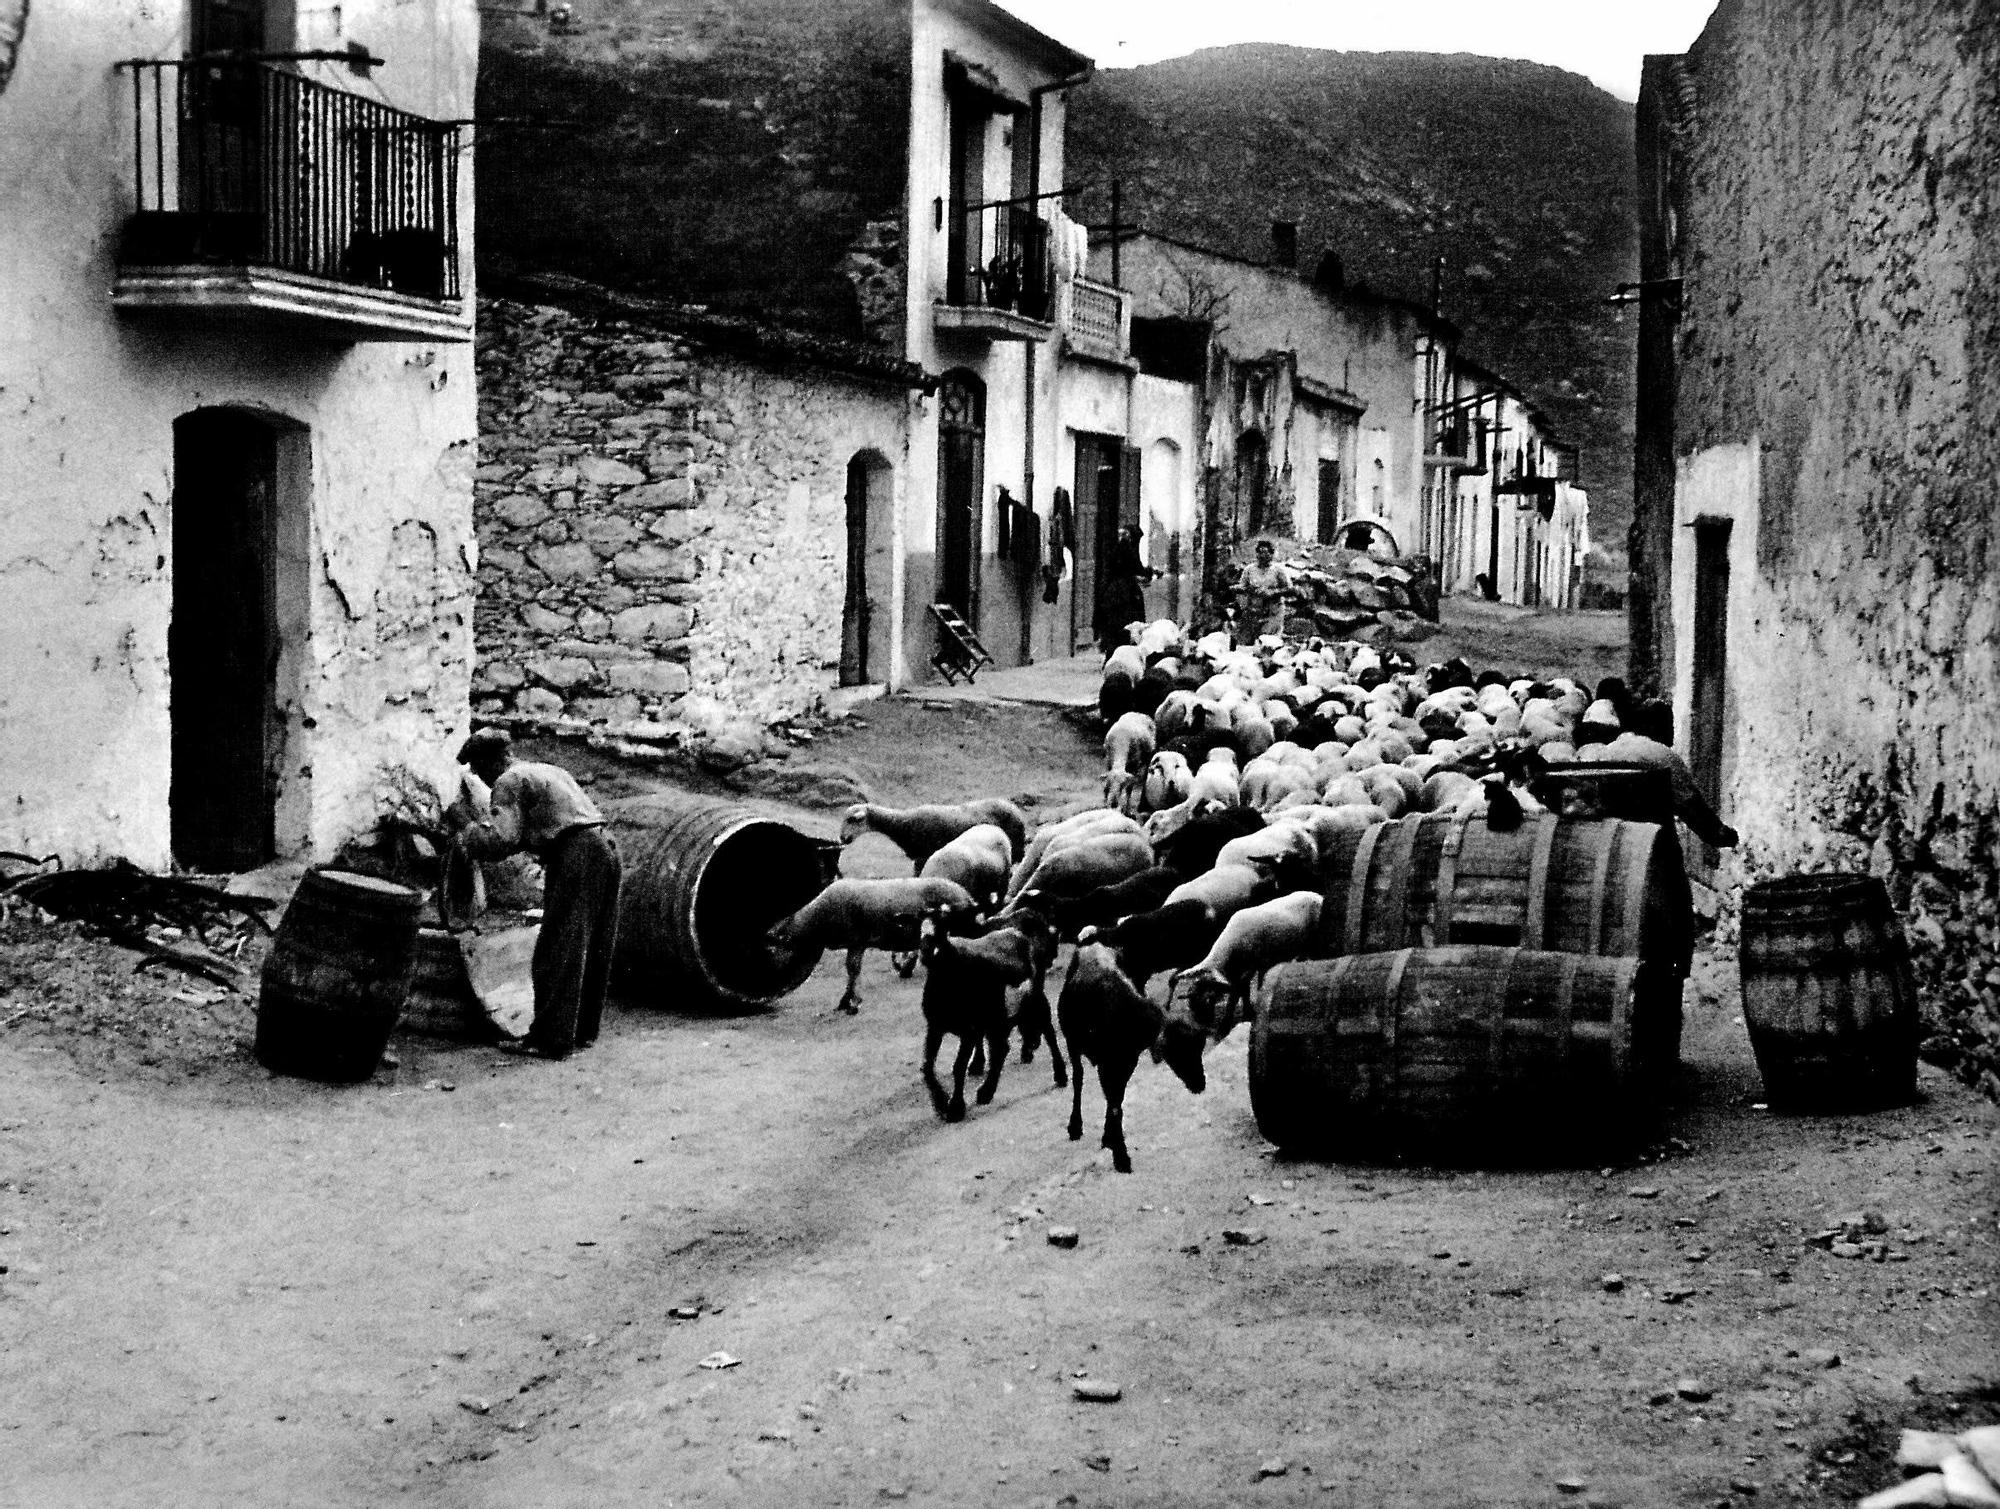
337	975
704	881
1463	1054
1828	995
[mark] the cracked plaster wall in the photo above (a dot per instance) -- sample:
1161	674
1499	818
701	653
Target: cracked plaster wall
663	528
375	580
1839	402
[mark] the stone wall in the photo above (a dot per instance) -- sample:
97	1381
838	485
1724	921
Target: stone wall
1839	404
662	527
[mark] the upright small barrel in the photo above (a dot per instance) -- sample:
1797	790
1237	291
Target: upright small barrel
1610	888
1462	1055
704	881
337	976
1828	995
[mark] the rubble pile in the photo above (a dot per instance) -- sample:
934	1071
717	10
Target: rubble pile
1356	594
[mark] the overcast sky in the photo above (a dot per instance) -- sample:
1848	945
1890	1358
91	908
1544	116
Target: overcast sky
1601	39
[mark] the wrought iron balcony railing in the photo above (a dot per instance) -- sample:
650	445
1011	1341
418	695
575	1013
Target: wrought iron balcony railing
1000	260
243	163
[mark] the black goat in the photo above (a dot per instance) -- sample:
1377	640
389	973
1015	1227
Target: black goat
1107	1019
965	996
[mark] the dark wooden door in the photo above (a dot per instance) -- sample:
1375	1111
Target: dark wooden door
854	611
1096	526
221	642
961	477
1711	657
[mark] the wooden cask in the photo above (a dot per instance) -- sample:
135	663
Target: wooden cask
1436	879
1828	995
1465	1055
337	976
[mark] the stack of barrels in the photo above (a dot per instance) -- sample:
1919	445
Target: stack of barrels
1480	994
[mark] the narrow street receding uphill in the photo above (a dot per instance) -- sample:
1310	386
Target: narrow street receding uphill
483	1281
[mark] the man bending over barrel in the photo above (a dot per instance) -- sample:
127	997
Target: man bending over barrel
540	808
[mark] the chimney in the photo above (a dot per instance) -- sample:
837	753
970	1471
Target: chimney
1285	243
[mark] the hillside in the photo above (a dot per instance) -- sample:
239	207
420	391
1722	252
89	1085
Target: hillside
1518	174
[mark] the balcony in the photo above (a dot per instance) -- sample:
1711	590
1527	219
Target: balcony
264	195
1458	446
999	282
1097	323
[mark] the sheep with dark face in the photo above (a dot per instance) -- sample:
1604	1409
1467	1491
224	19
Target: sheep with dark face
1210	997
857	915
921	831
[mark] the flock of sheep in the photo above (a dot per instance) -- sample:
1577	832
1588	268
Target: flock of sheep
1230	775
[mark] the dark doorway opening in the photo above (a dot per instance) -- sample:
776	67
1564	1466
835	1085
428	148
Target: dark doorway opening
1708	688
1329	499
862	657
961	480
222	642
1253	467
1107	500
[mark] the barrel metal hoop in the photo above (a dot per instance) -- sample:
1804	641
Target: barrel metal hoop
1447	879
1388	1013
1535	921
1401	852
1600	875
1357	887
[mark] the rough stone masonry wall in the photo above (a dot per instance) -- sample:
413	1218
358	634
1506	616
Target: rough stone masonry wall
1843	322
662	528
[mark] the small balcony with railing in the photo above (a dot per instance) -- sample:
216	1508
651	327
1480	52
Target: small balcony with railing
263	194
1000	281
1457	445
1097	322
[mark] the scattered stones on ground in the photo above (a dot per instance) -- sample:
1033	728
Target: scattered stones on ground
1063	1236
1272	1467
1644	1192
1572	1484
717	1360
1612	1283
1694	1390
1097	1390
1242	1236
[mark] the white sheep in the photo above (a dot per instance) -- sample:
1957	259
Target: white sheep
1208	999
978	859
1128	746
858	915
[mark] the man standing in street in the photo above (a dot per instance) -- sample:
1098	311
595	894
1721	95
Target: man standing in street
540	808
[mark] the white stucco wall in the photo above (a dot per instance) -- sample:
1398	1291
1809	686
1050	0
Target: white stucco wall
382	569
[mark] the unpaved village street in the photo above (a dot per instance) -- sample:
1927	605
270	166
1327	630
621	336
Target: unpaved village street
486	1281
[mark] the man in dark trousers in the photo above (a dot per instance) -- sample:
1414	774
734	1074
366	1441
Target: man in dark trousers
540	808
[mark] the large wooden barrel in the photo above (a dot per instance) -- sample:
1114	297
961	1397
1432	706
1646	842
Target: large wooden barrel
337	975
1463	1055
704	881
1435	879
1828	995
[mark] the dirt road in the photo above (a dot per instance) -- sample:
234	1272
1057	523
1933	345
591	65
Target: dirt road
483	1281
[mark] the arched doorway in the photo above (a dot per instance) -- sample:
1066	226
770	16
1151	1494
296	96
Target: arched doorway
1252	481
864	628
961	480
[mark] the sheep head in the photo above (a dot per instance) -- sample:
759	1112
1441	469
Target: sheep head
855	823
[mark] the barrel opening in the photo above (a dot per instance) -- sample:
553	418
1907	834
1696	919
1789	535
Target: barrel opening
759	874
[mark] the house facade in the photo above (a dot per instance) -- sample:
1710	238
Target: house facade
235	525
1818	453
1505	517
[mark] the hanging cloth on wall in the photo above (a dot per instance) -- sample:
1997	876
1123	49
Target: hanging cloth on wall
1062	536
1027	552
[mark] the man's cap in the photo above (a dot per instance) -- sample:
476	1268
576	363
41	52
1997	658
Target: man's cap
487	744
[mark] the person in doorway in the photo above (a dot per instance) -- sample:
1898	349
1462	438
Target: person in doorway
1262	592
541	809
1124	600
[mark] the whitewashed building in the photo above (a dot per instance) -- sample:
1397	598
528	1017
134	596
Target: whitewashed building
236	407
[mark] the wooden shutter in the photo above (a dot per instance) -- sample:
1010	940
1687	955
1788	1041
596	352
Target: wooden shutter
1128	487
